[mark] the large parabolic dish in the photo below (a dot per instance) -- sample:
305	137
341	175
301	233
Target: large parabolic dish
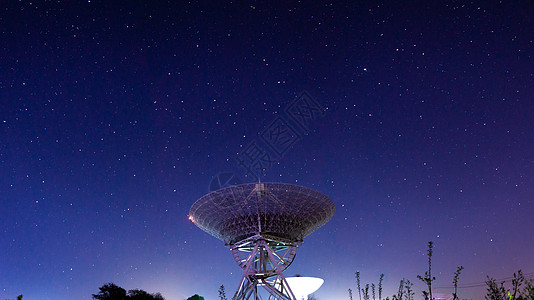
262	224
285	211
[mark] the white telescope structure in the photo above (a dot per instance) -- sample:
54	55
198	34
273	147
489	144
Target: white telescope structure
304	286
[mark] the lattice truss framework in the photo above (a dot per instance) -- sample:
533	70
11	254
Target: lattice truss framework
285	211
263	261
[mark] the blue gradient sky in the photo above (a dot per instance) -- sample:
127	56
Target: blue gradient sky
116	115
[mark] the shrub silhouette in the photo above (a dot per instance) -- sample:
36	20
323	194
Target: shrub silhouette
111	291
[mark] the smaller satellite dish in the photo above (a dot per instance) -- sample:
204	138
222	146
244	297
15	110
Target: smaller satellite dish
304	286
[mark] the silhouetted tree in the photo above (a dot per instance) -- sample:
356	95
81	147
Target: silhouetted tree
350	294
195	297
494	291
517	281
110	291
499	292
358	284
143	295
455	282
222	293
428	274
138	294
380	286
528	291
409	291
400	292
366	292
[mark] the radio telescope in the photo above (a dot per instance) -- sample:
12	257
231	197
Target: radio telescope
262	224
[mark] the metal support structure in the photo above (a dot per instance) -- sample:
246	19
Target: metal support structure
263	224
263	260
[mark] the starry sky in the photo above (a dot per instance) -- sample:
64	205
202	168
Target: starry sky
116	116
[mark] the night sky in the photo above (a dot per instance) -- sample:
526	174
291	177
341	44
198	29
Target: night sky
115	117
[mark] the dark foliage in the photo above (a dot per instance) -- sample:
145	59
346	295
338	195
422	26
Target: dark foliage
222	293
358	284
380	286
111	291
455	282
410	294
427	279
400	293
142	295
497	291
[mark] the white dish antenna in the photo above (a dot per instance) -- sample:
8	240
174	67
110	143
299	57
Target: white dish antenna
304	286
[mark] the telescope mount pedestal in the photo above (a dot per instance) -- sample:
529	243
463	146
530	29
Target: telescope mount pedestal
263	259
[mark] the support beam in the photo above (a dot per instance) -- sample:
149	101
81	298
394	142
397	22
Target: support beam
263	269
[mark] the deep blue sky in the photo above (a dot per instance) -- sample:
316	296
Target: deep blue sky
116	115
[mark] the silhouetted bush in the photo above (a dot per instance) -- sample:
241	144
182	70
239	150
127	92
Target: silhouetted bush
111	291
